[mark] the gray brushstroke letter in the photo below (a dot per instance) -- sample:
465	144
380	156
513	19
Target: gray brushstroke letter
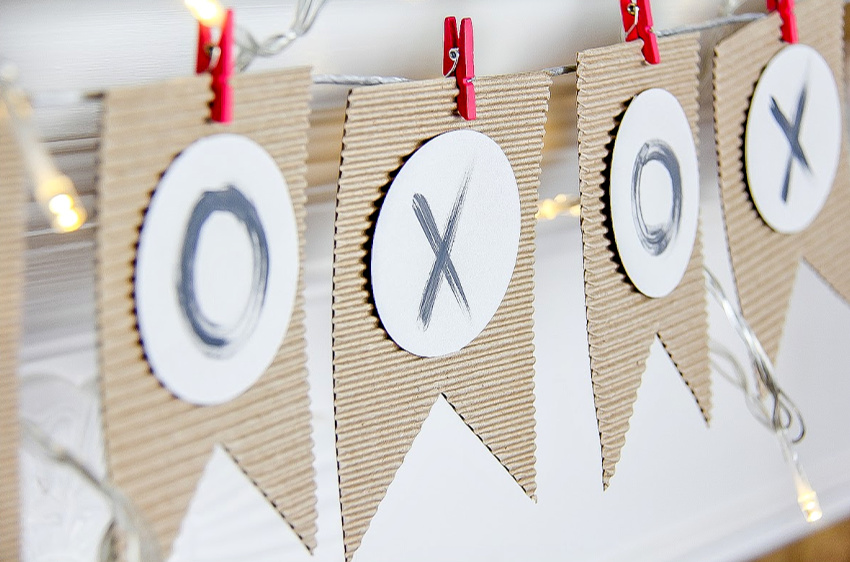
216	340
442	247
792	133
656	239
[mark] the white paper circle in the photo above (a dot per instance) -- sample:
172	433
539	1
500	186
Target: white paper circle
655	192
793	138
446	243
216	269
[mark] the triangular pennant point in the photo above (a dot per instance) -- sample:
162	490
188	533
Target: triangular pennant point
215	521
462	495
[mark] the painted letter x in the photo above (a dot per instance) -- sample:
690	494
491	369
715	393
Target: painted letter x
442	247
792	133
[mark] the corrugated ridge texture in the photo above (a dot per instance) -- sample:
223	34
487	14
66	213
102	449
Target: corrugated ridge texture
12	191
382	394
764	261
157	445
622	322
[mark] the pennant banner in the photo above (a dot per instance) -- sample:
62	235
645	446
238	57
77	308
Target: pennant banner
12	193
622	321
184	367
404	169
790	186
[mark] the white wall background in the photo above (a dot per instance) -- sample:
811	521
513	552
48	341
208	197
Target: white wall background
681	491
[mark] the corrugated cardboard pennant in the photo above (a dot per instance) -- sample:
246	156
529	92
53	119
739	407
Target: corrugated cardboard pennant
622	322
382	394
12	194
158	445
764	261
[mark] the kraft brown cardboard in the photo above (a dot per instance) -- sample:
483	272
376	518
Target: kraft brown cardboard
13	191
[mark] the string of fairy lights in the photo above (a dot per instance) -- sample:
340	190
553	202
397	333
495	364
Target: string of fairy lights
56	194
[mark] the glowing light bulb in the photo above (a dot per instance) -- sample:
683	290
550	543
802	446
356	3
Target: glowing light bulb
807	499
208	12
68	214
57	193
69	220
54	191
547	210
561	204
810	506
61	203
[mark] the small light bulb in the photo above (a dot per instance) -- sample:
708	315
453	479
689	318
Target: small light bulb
208	12
70	220
561	204
547	210
811	508
61	203
807	499
54	191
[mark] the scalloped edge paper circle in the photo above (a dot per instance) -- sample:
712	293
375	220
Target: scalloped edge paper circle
446	243
793	139
216	270
655	192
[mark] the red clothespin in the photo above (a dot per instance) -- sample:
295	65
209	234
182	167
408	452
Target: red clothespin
222	105
463	65
637	21
789	18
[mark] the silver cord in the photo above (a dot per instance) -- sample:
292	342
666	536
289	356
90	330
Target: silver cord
726	364
140	544
710	24
250	48
353	80
765	398
767	402
560	70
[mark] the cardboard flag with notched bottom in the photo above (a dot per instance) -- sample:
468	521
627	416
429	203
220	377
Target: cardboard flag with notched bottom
790	200
433	277
200	294
639	220
13	194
